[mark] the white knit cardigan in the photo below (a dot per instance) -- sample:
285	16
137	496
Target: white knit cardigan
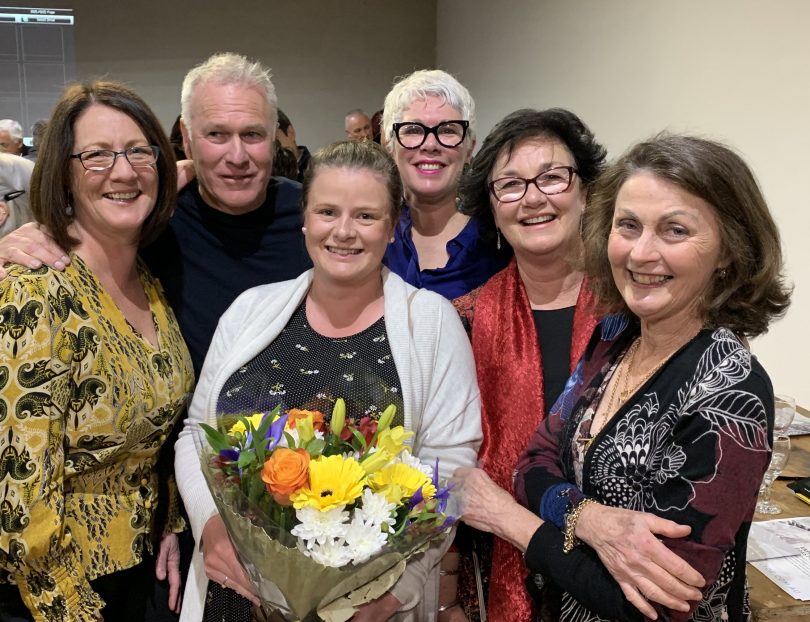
442	406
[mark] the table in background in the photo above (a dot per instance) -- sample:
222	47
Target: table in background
768	600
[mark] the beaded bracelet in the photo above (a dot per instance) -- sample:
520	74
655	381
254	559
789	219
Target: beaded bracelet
571	519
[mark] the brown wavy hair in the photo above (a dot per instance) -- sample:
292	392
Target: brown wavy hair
751	291
357	155
50	183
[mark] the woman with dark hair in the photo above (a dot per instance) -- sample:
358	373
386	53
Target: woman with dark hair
348	328
529	323
667	415
94	372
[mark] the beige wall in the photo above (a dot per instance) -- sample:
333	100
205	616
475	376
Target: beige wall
327	56
738	70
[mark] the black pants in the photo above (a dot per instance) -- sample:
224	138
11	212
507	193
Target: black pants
125	592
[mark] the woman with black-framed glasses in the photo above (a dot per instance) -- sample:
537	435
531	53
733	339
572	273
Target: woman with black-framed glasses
429	128
15	178
94	372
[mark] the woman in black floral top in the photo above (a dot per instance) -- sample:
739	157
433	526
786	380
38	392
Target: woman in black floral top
665	426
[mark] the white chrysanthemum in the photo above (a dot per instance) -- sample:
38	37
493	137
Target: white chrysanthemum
332	553
294	433
364	540
317	526
406	457
375	510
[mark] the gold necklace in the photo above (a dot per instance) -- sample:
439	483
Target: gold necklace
623	379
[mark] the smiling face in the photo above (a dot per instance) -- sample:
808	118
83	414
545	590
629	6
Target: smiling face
664	249
231	143
110	204
431	173
347	224
539	225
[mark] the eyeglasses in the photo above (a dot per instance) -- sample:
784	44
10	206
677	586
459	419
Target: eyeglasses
413	135
553	181
103	159
10	196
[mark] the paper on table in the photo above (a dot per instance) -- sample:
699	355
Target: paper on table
789	572
800	425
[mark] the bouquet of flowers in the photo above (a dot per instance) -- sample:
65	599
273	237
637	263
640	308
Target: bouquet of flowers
323	515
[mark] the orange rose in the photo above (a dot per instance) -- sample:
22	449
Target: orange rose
318	421
285	472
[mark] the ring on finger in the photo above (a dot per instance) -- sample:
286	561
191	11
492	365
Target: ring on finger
225	581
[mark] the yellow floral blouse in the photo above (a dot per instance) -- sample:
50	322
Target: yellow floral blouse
85	405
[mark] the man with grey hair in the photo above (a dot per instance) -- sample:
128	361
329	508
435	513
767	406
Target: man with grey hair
358	125
11	138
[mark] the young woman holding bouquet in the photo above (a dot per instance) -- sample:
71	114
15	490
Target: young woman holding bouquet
347	328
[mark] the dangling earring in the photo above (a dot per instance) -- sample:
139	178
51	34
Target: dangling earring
497	238
69	209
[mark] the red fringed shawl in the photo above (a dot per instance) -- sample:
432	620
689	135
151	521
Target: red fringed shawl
510	377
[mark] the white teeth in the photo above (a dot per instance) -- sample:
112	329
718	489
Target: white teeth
121	196
426	166
649	279
343	251
537	220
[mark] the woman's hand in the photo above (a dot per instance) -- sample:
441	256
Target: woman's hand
642	565
167	566
31	246
488	507
378	610
185	173
221	563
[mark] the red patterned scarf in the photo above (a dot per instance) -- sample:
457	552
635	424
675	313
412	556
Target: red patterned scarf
510	377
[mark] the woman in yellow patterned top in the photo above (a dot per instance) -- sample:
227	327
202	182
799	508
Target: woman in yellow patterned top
93	372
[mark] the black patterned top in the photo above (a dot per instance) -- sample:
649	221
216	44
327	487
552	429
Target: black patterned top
691	445
303	369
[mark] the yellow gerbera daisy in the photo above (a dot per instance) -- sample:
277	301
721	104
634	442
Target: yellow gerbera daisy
400	481
333	481
256	420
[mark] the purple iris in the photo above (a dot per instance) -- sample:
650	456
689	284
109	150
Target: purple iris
231	455
276	431
442	494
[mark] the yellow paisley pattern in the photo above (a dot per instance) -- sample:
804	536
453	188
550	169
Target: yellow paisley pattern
85	405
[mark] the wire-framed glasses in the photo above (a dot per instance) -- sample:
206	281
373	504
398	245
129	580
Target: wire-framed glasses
553	181
103	159
10	196
412	134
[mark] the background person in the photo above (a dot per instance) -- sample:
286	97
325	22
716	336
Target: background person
358	125
11	138
408	348
429	128
15	182
681	248
94	371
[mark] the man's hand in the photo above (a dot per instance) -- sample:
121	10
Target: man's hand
167	566
642	565
221	563
378	610
31	246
